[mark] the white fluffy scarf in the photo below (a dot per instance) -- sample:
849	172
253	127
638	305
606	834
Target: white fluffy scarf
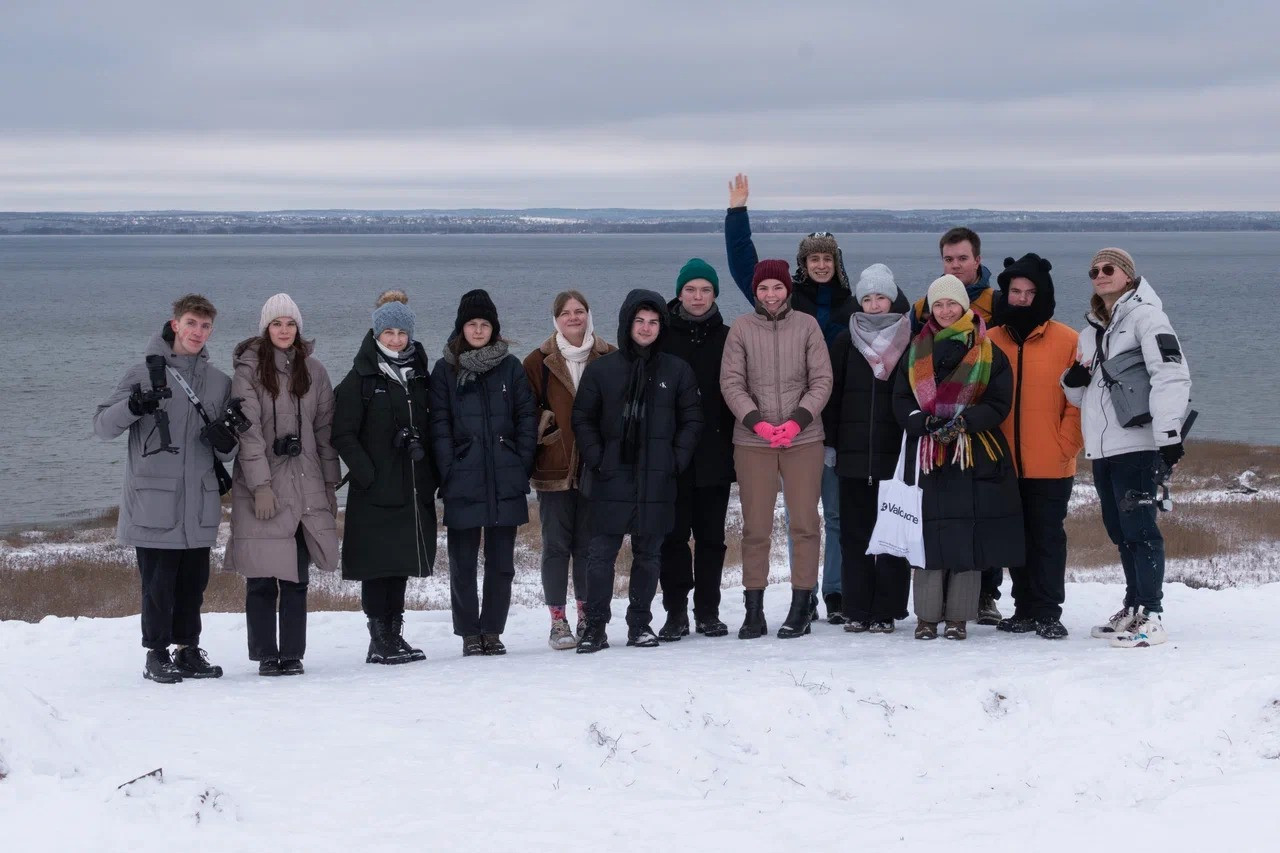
576	357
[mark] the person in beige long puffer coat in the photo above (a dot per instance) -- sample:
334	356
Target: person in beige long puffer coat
283	502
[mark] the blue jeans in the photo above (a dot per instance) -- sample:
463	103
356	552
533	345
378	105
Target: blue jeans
1119	480
831	557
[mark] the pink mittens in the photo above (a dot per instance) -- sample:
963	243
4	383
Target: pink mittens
783	435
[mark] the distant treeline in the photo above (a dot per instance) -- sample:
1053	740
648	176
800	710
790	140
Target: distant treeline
617	221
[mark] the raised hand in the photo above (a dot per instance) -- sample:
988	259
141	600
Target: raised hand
739	189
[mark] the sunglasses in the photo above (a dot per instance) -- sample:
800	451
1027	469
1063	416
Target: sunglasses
822	234
1105	269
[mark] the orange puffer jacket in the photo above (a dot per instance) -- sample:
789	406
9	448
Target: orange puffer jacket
1043	429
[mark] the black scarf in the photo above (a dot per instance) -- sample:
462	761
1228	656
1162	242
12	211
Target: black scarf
633	404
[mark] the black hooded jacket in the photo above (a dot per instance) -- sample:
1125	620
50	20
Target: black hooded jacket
638	497
701	344
858	419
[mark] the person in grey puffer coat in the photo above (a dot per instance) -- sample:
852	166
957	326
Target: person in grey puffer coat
1127	316
283	504
170	507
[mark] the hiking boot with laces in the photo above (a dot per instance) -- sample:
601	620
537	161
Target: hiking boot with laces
926	630
160	668
397	634
192	662
472	645
883	626
293	666
835	608
561	635
269	668
857	626
956	630
1147	629
988	612
1017	624
1051	629
1119	622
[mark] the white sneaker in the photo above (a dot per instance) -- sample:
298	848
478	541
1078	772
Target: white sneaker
561	637
1146	630
1118	623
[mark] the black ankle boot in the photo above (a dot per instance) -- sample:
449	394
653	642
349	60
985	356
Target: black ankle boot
799	616
397	633
383	645
753	624
676	626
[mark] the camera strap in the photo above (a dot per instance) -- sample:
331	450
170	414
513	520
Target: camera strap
191	394
219	470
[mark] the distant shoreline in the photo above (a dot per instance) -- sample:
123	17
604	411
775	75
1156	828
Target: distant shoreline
618	221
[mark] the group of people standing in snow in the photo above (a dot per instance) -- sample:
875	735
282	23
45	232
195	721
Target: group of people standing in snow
825	390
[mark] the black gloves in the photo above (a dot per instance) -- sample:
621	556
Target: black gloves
1172	454
218	436
1077	376
140	404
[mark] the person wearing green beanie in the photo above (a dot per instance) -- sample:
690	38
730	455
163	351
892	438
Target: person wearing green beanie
697	268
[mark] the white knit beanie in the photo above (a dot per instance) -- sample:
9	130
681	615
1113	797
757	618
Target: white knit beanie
280	305
876	278
948	287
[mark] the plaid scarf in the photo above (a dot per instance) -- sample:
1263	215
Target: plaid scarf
949	397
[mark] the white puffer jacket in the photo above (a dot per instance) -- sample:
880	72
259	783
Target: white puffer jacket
1137	320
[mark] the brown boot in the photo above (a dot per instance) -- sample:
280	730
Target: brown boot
956	631
926	630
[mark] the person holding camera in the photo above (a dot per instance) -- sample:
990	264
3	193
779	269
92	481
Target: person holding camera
1132	451
484	431
283	501
170	509
554	370
379	430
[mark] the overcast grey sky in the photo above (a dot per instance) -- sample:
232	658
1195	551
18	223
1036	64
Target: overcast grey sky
825	103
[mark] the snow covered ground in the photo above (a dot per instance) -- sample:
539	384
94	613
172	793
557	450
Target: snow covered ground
829	742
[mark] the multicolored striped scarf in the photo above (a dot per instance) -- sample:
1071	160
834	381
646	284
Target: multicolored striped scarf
949	397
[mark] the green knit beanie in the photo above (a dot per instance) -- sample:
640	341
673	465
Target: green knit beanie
697	268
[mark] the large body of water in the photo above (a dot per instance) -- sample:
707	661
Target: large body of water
76	312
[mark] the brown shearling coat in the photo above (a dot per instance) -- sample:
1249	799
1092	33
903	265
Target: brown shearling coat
555	465
302	484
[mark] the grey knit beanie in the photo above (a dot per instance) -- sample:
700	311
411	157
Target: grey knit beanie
393	313
876	278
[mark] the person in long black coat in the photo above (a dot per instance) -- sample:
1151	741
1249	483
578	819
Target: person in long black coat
697	335
484	425
972	513
637	417
866	438
390	531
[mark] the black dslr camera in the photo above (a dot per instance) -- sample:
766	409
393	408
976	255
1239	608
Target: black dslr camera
287	445
148	402
408	440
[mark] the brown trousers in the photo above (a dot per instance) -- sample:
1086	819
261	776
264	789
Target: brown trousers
800	469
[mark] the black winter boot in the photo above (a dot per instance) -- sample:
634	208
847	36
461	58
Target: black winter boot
493	644
799	616
383	647
676	626
397	631
710	626
593	639
472	645
192	662
835	608
160	668
753	624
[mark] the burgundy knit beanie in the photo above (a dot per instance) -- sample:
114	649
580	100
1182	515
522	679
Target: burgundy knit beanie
772	268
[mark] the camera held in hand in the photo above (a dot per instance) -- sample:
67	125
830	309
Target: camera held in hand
287	445
223	434
408	440
148	402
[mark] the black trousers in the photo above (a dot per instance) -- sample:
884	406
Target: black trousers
173	584
874	588
383	598
646	559
991	580
1039	586
700	513
268	600
499	571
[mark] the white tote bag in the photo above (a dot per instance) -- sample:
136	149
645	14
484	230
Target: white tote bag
899	529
